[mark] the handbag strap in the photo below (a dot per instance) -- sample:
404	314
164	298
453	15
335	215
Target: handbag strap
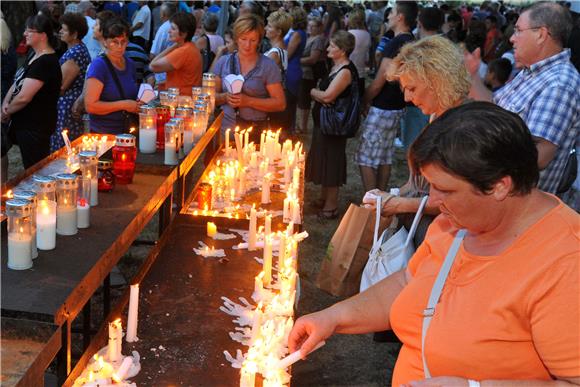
436	293
416	220
377	219
114	75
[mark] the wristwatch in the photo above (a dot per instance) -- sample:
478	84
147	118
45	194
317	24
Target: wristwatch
473	383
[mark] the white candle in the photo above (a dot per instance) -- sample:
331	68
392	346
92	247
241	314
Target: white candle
282	253
252	231
263	143
211	229
258	285
83	215
268	225
256	323
94	191
295	356
19	251
266	189
267	266
66	220
247	138
286	211
295	211
115	337
242	182
254	160
171	153
133	315
238	146
46	225
188	141
296	177
147	140
248	374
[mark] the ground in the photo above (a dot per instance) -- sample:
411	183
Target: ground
346	360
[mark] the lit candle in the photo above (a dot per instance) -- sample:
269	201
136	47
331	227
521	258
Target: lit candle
238	146
113	350
258	285
83	214
147	140
132	318
282	252
94	191
46	225
248	374
252	237
263	143
256	323
66	220
296	177
266	189
211	229
295	211
267	266
254	160
247	137
227	148
286	211
242	182
19	251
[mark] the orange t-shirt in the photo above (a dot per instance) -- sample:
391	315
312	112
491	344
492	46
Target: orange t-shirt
186	60
511	316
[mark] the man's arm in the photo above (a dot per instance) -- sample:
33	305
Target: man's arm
478	90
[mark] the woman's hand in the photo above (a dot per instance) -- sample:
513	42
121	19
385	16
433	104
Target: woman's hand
237	100
311	329
132	106
5	116
78	108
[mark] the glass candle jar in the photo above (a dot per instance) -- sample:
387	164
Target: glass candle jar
147	129
66	203
32	198
184	101
172	100
83	202
45	212
173	90
195	91
199	122
186	114
181	126
163	115
204	195
208	84
19	212
124	156
89	170
106	176
163	97
172	145
206	100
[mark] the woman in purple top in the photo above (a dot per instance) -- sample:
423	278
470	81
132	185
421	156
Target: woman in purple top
105	101
73	65
295	42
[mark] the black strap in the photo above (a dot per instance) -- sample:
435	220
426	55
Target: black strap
233	64
208	42
114	74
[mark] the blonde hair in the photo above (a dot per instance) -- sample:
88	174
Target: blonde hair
5	34
356	20
248	23
438	63
280	20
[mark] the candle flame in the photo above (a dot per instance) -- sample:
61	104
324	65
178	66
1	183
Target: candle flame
123	157
104	139
132	130
82	202
116	378
9	194
91	376
21	229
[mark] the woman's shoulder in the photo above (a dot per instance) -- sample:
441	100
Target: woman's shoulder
221	62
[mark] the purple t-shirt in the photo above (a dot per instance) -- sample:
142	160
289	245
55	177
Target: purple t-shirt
112	123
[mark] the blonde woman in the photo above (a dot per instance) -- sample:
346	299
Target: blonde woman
433	77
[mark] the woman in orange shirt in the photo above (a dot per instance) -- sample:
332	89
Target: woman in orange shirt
509	312
181	61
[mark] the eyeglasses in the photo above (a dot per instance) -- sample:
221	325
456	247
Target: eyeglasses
118	43
518	31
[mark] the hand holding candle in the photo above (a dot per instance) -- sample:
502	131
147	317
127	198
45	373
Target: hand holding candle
295	356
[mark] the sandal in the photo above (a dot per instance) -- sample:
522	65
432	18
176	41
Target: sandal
328	214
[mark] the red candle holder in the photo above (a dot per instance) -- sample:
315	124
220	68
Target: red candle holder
124	156
204	196
163	115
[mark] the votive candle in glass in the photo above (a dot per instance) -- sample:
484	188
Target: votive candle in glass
45	212
66	204
18	212
31	196
124	156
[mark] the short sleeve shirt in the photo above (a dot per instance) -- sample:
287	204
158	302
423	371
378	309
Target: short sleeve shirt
265	73
186	60
143	16
391	97
40	114
313	44
515	315
113	122
80	55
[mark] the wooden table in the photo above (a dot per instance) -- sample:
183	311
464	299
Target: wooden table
62	281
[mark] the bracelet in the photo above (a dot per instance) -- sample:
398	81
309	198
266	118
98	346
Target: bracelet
473	383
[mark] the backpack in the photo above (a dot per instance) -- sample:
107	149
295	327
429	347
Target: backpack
207	55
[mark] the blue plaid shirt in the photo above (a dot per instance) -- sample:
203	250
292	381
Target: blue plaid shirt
547	97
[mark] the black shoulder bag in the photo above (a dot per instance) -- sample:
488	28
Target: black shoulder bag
130	120
342	118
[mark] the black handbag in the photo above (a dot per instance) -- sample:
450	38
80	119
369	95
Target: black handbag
342	118
130	120
570	172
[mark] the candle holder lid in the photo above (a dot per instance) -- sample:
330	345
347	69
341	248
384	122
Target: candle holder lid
203	97
125	139
209	76
87	154
43	179
66	180
163	93
147	109
105	164
196	90
183	112
163	109
18	207
171	126
173	90
27	195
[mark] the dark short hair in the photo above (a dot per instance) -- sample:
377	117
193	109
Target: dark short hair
344	40
75	23
431	18
210	22
502	68
556	18
105	17
185	22
114	28
481	143
409	10
42	23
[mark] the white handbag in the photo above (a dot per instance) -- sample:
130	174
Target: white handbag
390	254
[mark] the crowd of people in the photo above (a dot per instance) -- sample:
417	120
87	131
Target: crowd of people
484	99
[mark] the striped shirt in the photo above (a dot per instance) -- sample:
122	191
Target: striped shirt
547	97
141	59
